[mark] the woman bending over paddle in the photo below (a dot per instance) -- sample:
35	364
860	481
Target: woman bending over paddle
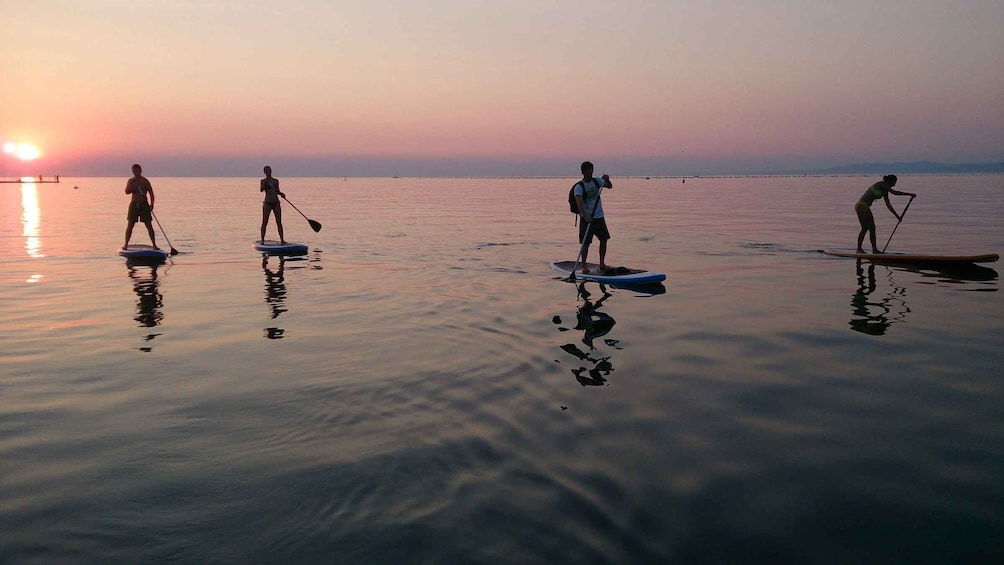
881	189
270	186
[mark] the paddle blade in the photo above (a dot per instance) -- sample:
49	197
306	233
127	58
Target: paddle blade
174	251
316	226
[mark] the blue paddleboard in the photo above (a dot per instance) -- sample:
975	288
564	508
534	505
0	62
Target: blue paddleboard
145	252
272	247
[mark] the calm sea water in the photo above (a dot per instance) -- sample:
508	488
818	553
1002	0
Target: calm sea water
420	388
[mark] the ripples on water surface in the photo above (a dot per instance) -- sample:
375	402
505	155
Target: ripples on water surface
420	388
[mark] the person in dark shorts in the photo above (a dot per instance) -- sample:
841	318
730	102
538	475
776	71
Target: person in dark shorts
882	189
270	186
587	196
140	209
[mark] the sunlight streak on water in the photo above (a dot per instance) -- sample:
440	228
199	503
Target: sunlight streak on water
31	220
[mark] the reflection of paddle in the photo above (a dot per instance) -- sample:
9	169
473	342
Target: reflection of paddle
585	238
901	216
316	226
173	250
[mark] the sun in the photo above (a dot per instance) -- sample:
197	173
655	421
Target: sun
22	151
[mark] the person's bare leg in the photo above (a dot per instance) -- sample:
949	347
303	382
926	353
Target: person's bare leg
585	254
278	223
128	234
264	220
603	255
153	237
867	221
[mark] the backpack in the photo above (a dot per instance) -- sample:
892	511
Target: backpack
573	205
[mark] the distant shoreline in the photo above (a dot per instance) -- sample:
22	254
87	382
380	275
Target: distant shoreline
860	169
566	177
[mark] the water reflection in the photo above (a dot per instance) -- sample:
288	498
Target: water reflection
275	294
31	216
874	310
593	324
957	275
149	300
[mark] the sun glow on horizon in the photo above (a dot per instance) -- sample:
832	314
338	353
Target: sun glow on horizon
22	151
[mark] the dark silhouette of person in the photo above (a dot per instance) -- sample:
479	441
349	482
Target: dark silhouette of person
882	189
271	205
593	224
140	209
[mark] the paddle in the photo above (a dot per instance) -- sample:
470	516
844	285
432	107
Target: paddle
901	216
585	238
316	226
173	250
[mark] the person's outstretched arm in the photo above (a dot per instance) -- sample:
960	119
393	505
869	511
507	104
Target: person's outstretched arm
889	205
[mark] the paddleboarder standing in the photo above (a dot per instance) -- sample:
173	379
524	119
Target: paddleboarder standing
139	208
270	186
882	189
587	196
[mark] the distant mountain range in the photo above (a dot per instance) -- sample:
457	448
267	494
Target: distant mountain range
914	167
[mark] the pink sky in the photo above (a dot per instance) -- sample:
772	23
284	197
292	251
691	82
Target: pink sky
674	84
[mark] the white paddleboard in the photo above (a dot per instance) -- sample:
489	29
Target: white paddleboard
273	247
618	275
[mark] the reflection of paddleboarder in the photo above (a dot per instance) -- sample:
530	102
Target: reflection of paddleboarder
863	304
275	287
149	299
593	324
590	320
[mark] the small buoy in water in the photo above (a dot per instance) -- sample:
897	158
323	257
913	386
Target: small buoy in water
76	188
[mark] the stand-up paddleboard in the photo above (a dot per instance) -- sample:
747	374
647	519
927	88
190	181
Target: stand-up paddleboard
914	258
617	275
138	251
272	247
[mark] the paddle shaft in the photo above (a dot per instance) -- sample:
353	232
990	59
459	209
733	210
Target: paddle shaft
316	226
585	237
173	250
164	233
901	216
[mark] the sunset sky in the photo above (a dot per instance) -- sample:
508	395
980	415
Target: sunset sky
520	87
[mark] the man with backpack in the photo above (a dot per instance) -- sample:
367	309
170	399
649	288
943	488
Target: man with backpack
586	199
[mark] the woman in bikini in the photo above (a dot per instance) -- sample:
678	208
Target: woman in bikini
270	186
882	189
